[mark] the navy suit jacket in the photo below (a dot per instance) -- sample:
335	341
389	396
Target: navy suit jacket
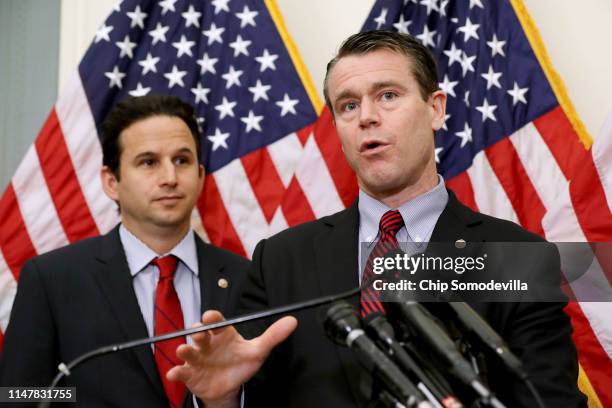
320	258
80	297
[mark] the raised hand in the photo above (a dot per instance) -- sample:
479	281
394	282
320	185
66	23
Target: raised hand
221	360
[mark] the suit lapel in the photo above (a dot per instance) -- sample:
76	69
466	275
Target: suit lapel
455	223
336	252
115	281
210	271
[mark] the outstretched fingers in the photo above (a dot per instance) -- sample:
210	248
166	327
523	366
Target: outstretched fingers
219	361
276	333
181	372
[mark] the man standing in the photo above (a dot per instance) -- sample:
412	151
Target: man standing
383	92
149	275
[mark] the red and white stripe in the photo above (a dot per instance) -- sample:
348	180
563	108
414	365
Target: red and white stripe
493	200
85	153
37	208
317	183
8	288
602	159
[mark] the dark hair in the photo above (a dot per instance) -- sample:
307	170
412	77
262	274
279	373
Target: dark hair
132	110
424	67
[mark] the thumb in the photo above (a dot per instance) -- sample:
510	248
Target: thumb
277	333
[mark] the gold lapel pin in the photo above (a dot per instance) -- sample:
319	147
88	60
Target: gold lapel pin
460	243
223	283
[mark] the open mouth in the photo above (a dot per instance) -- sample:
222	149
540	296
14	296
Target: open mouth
370	147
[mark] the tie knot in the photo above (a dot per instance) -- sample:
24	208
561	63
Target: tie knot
166	265
391	222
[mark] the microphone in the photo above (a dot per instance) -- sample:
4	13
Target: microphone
343	326
379	328
417	318
472	322
65	369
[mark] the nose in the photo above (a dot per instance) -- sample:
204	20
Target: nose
368	114
168	173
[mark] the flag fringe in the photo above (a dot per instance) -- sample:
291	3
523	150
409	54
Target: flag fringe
587	388
300	67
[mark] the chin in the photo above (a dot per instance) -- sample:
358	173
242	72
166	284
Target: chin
172	220
381	181
384	186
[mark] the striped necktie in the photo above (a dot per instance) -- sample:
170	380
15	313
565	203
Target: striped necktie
390	223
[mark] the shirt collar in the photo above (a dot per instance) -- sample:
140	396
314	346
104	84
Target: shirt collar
139	255
419	214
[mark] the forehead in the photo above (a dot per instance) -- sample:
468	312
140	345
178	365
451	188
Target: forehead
375	66
156	131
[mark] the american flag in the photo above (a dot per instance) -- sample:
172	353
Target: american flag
512	146
233	60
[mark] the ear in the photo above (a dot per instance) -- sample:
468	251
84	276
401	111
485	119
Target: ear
109	183
201	175
437	101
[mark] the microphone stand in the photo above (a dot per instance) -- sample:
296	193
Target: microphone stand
66	369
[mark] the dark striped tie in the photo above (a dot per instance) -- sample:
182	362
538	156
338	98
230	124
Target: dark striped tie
390	223
168	318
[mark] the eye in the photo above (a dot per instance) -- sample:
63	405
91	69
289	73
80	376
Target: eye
349	107
389	96
180	160
147	162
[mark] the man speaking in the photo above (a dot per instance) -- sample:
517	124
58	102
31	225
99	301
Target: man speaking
383	93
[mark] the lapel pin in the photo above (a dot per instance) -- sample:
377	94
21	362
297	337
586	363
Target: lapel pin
460	243
223	283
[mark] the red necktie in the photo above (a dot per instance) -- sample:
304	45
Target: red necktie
390	223
168	318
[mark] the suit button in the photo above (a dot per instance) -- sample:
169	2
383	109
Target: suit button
223	283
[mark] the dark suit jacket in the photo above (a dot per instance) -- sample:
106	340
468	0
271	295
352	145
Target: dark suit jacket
80	297
320	258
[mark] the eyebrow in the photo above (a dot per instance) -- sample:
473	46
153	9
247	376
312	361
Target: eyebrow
144	154
347	94
184	150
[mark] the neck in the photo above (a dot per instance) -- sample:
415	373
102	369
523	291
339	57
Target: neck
159	239
396	198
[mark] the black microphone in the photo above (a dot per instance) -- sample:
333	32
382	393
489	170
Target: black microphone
417	318
476	325
472	322
379	328
343	326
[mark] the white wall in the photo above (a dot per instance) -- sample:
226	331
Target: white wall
79	21
577	35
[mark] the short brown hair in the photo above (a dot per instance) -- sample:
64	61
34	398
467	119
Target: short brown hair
134	109
424	67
